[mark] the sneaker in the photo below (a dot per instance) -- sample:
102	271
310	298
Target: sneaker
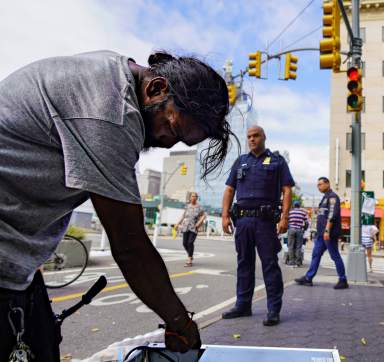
304	281
237	312
341	284
273	319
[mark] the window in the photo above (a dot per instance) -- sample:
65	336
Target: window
363	105
383	68
348	177
363	69
348	141
362	34
383	104
382	33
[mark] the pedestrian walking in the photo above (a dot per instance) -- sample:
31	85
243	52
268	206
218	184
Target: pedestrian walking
328	232
193	217
297	224
258	179
368	237
72	128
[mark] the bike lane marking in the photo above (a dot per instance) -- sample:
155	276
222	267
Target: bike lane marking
112	288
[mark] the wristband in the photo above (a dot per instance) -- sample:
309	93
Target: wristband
179	335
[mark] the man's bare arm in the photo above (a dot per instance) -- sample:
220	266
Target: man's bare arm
282	227
140	263
229	194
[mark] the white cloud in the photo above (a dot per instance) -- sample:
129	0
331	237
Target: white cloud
283	109
37	29
307	162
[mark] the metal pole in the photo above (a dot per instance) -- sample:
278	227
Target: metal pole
158	222
356	266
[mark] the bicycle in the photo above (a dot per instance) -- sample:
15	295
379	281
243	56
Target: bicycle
66	264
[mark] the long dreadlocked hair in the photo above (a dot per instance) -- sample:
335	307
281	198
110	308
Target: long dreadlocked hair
200	92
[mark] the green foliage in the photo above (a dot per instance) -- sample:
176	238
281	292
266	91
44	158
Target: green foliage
76	231
296	195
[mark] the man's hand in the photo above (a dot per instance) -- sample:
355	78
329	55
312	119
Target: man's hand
227	224
183	340
326	235
282	226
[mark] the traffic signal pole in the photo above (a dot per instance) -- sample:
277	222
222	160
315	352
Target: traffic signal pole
356	265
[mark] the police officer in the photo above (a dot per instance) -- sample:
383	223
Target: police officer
328	231
258	178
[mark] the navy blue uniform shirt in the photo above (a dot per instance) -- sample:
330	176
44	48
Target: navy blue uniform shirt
329	209
256	179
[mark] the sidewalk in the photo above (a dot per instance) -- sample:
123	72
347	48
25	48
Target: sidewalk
351	321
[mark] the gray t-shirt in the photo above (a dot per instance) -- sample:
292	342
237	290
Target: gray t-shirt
68	126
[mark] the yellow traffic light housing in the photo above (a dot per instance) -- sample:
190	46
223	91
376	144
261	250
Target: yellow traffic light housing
290	66
254	65
232	93
330	44
183	170
355	94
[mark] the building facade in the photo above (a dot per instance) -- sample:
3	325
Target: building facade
372	122
179	186
241	118
149	182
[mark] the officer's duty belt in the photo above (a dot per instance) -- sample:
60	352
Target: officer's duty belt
260	211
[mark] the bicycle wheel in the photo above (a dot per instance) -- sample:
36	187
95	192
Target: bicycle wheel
66	264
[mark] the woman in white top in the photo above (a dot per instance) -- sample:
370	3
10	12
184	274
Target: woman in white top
368	237
189	224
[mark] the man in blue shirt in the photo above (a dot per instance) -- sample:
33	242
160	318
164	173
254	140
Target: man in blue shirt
328	232
258	179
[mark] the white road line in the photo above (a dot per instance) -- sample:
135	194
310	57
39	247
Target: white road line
129	342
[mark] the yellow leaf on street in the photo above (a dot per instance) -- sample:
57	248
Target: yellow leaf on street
236	336
363	341
95	329
66	357
342	357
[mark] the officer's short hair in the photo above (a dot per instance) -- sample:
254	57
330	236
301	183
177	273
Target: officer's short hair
323	178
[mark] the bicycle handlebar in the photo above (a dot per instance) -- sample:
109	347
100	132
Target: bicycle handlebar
85	299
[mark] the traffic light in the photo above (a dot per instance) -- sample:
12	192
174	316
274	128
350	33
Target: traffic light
183	170
232	93
254	65
355	98
330	44
290	66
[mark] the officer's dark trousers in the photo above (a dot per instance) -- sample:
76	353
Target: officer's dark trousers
189	238
318	250
251	233
40	332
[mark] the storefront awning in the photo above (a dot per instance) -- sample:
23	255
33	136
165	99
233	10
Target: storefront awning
347	212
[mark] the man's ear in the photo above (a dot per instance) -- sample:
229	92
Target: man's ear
156	88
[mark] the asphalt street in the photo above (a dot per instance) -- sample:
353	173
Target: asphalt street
115	314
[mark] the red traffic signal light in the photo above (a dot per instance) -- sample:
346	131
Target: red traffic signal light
355	99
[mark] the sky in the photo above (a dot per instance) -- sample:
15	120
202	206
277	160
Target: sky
294	114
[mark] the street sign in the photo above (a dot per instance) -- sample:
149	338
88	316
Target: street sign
368	208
